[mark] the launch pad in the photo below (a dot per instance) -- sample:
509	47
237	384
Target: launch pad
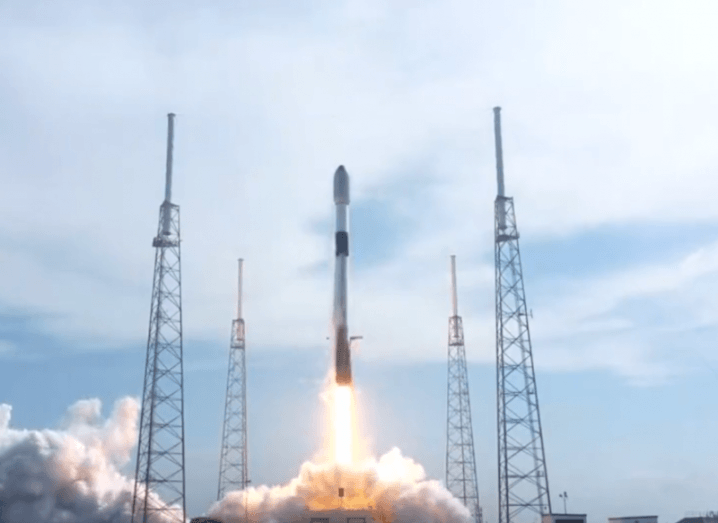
314	516
339	516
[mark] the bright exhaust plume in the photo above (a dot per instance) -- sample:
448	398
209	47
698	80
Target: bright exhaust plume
343	425
393	488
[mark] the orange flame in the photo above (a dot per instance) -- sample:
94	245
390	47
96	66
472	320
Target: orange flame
343	426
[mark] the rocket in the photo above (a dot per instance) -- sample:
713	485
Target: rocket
342	357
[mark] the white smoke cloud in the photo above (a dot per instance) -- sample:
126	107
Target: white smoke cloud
70	475
394	488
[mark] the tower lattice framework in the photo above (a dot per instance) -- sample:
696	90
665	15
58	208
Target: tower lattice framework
159	493
233	464
461	478
523	480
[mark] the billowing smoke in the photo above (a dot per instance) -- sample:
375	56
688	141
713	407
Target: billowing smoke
392	489
69	475
72	475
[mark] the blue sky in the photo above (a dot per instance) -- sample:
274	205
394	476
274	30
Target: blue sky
609	137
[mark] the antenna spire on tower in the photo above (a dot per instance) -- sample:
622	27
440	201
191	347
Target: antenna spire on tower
500	197
239	290
170	150
166	207
499	151
454	299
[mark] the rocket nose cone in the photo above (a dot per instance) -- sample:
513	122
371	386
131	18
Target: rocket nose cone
341	186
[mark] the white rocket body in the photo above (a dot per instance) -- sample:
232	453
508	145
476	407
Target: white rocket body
342	355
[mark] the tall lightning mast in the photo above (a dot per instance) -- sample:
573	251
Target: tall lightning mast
523	481
233	464
460	458
160	454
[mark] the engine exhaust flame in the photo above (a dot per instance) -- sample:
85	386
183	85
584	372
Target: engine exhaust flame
343	426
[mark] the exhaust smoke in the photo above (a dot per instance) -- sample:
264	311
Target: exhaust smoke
393	488
69	475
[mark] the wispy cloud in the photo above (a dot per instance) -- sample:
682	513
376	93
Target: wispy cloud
636	321
606	123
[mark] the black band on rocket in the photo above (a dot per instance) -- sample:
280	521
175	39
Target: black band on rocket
342	240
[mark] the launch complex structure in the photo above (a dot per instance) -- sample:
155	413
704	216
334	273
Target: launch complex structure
461	477
233	463
523	480
523	492
161	450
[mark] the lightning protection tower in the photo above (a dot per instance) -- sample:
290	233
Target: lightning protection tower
523	481
460	458
233	465
160	454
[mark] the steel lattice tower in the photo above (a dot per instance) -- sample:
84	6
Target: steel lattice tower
460	458
233	464
523	481
160	453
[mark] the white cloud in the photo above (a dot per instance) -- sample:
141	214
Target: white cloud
623	320
604	122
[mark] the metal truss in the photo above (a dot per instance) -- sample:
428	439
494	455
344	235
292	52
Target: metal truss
159	493
233	464
461	478
523	481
